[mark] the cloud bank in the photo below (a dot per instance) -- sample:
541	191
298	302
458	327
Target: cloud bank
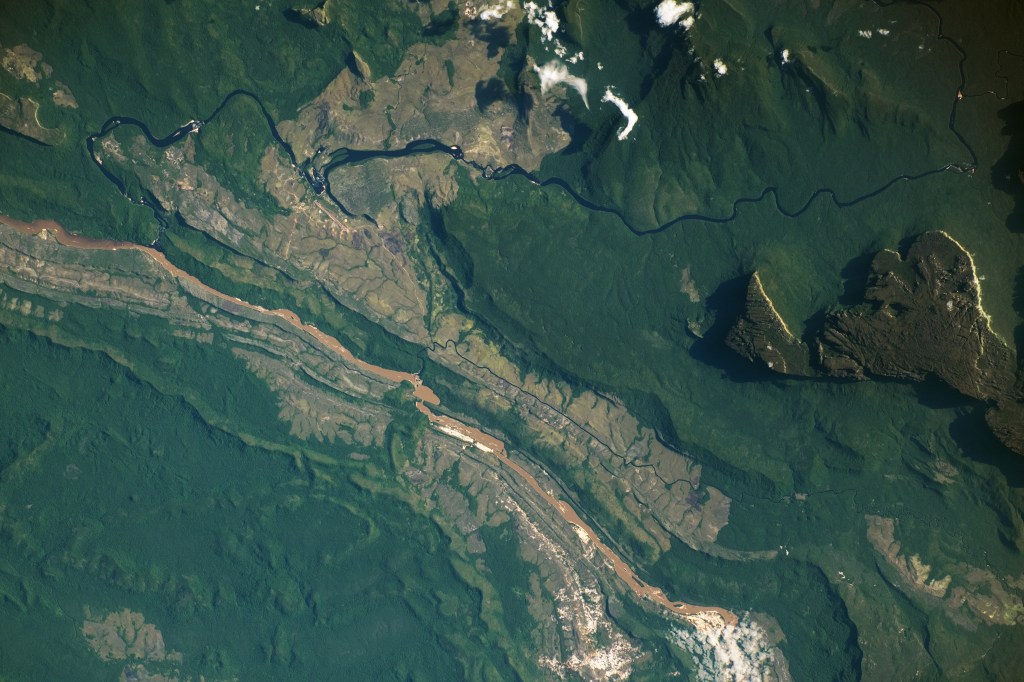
732	653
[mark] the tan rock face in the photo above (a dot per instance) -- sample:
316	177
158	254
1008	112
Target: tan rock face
970	595
124	635
21	113
922	317
762	335
22	116
24	63
435	94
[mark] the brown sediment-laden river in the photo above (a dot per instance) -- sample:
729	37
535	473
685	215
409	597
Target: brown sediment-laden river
425	397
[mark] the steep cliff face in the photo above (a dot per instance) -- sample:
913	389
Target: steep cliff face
761	334
921	316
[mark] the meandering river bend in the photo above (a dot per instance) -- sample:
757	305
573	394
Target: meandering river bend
425	398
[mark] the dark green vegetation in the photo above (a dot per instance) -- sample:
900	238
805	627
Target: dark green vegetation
167	63
205	51
878	524
648	315
704	141
233	145
116	495
238	275
921	317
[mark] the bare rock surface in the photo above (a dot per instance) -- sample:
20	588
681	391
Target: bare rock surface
921	317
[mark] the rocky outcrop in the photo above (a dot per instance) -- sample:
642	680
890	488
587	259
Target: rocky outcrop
22	116
313	17
20	106
1006	419
921	316
970	595
761	335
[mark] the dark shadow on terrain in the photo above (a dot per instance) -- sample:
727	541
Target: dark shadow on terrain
457	265
297	17
976	440
642	23
1018	305
690	85
513	59
496	38
1008	171
490	91
813	328
579	133
727	304
20	136
805	82
442	25
904	245
645	404
934	393
855	279
523	104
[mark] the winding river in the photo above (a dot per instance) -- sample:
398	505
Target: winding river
706	616
318	179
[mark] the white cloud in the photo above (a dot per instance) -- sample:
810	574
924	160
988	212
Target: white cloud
494	12
720	68
732	653
631	117
784	56
555	72
670	12
544	19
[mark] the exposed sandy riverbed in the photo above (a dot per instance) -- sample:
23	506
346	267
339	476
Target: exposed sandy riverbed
699	615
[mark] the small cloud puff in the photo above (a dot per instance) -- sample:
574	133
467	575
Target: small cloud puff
720	68
670	12
495	12
544	19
